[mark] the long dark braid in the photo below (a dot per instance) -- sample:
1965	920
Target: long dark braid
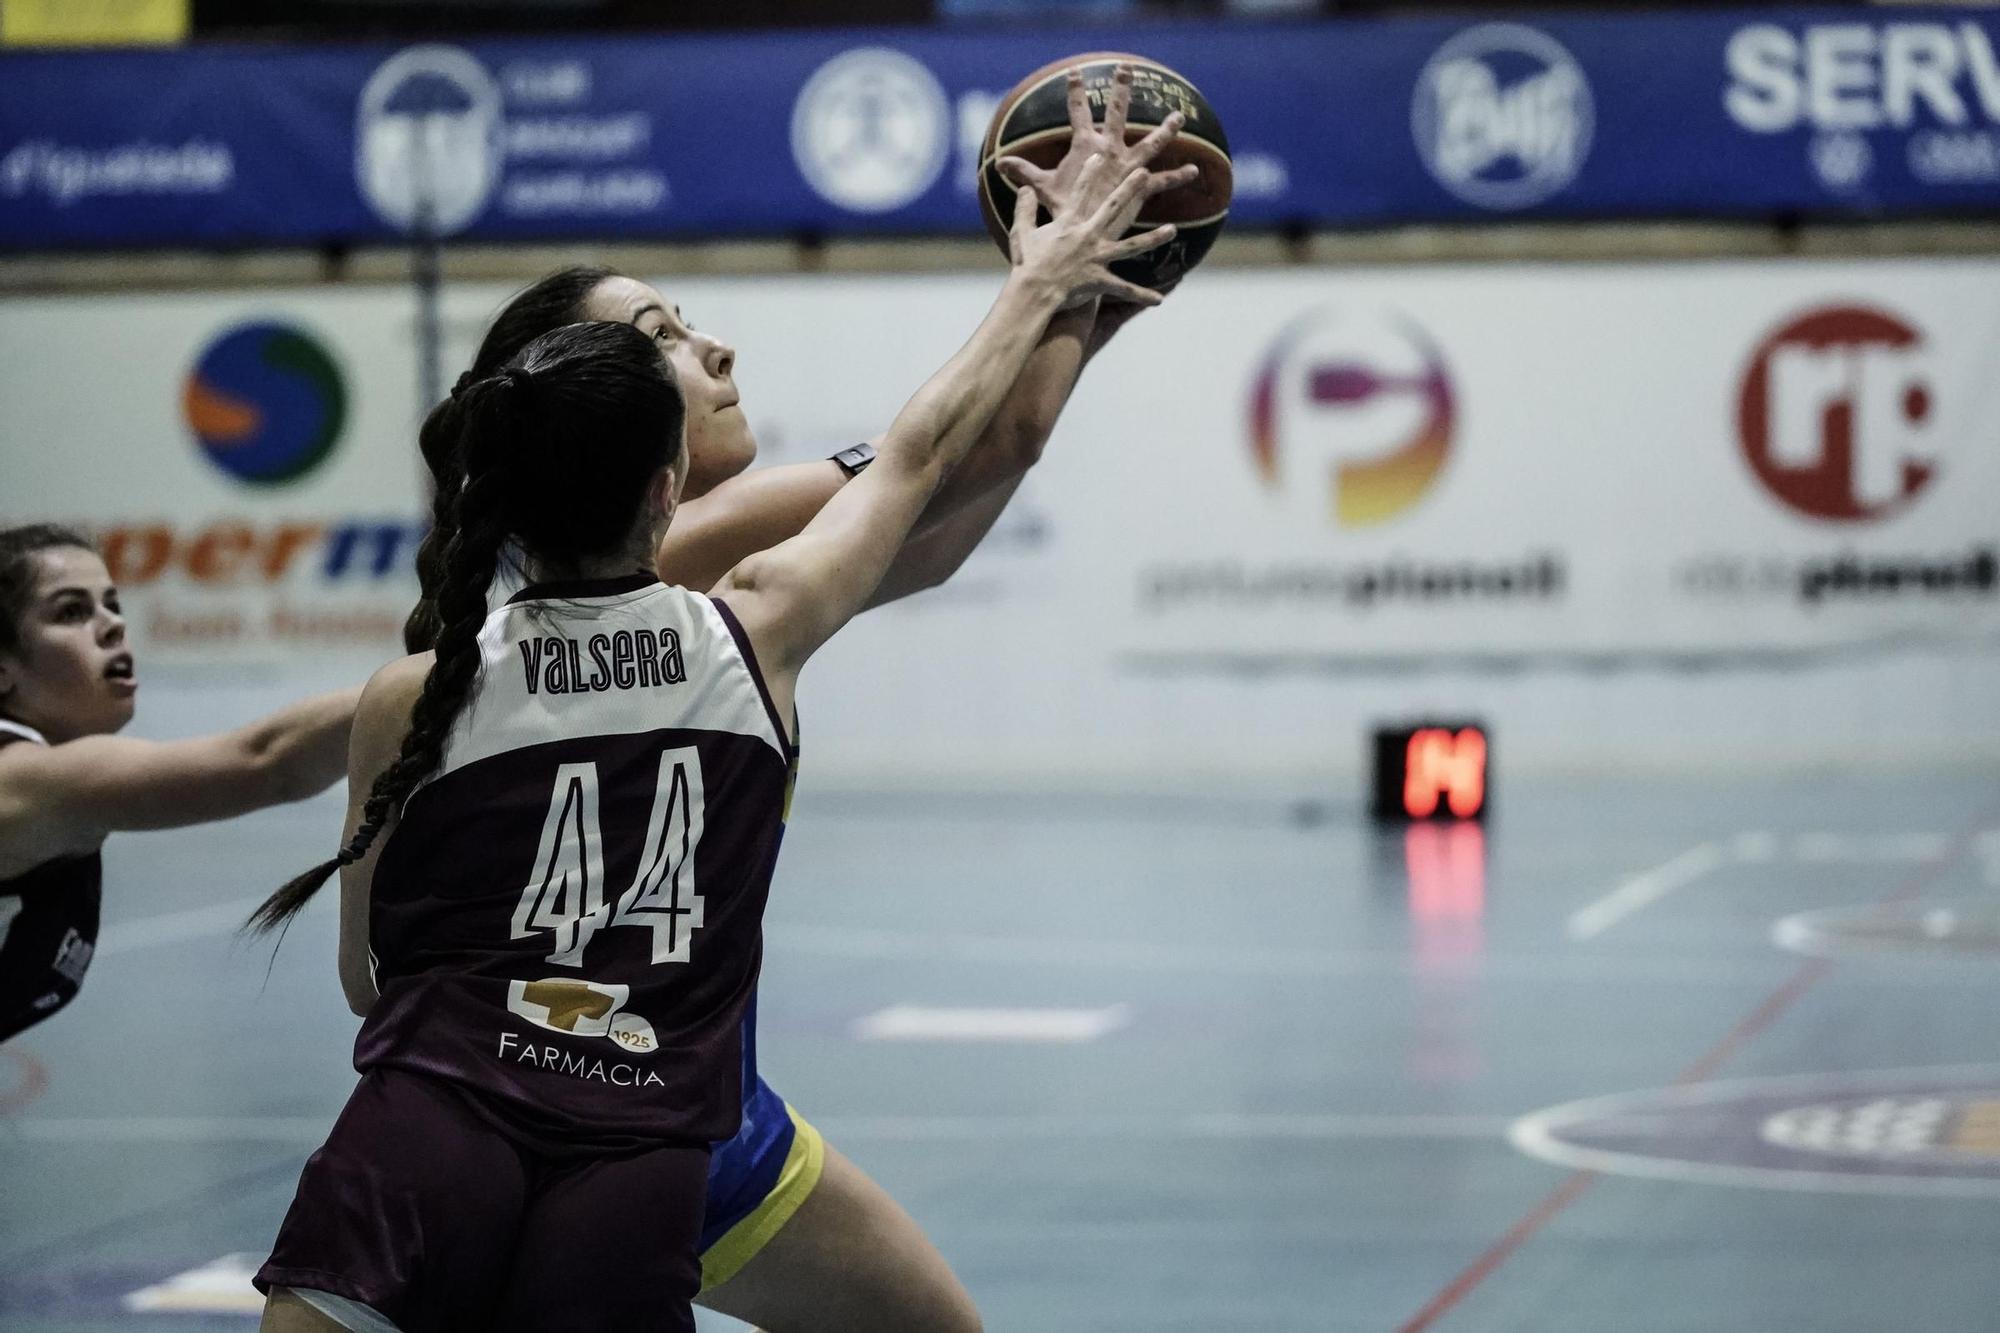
557	450
550	303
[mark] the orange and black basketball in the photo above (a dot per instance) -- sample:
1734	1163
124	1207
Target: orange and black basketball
1032	122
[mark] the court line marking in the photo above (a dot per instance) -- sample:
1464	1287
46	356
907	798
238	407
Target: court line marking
1643	890
1756	1021
1755	847
1816	934
1535	1134
854	942
917	1022
1221	1126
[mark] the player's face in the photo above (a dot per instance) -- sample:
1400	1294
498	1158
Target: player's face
74	675
719	440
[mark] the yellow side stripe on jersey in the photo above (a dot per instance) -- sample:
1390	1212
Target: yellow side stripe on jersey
741	1243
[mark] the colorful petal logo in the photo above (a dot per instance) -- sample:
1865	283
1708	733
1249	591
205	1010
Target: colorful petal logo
266	403
1375	394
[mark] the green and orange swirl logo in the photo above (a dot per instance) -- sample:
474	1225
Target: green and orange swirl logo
266	403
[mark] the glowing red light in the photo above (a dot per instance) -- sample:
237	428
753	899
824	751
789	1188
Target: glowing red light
1439	765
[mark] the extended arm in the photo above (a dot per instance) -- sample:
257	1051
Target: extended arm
754	512
379	726
1019	431
64	800
794	596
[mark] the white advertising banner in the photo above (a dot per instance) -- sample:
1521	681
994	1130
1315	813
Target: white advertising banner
1278	472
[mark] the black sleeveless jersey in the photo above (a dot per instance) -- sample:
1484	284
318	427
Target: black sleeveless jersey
48	927
567	920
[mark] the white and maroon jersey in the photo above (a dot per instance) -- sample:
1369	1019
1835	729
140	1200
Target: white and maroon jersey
567	919
48	926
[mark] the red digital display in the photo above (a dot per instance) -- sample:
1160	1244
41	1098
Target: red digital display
1432	771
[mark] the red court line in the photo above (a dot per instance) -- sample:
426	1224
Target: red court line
1746	1030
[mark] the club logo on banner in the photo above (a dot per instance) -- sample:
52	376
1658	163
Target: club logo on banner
1503	116
1371	393
871	130
427	141
265	402
1833	414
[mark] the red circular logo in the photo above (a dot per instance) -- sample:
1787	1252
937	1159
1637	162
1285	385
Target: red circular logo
1834	411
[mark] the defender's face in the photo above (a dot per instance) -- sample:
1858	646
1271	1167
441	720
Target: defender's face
719	440
74	675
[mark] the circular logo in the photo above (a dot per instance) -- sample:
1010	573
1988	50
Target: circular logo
266	402
634	1033
427	139
1502	116
1370	393
871	130
1832	411
1920	1131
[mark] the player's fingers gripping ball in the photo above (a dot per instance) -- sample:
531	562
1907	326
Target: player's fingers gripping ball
1033	122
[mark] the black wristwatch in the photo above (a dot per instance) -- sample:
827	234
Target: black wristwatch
851	461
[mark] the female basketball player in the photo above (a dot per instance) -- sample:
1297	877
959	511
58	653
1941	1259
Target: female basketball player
796	1236
566	935
67	683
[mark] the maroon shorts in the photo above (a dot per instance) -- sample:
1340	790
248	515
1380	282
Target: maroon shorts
422	1210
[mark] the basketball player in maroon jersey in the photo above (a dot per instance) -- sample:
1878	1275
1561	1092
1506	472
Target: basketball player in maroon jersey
67	781
796	1236
557	953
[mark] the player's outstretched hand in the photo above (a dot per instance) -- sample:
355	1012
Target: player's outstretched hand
1073	251
1061	188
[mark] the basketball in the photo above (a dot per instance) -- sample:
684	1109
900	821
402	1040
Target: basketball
1032	122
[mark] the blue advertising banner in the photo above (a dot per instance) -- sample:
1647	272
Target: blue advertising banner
1752	113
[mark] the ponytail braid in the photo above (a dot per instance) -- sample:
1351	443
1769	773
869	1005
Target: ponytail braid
437	440
557	299
477	527
557	451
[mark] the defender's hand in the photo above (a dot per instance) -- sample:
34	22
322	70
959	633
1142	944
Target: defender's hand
1062	189
1073	252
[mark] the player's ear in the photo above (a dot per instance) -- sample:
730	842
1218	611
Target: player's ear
664	492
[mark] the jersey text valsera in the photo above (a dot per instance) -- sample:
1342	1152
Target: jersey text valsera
621	660
567	918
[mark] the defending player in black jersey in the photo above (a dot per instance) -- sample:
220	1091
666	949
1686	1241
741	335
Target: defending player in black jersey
584	793
67	683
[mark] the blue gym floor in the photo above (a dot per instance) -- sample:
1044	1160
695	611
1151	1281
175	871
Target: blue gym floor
1279	1091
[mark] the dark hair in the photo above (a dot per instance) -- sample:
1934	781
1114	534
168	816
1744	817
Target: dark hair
18	549
557	450
550	303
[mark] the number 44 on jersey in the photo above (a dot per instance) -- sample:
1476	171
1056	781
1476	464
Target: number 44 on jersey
565	890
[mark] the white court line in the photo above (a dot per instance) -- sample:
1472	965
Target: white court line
913	1022
1761	848
1220	1126
1539	1134
1549	967
1642	890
